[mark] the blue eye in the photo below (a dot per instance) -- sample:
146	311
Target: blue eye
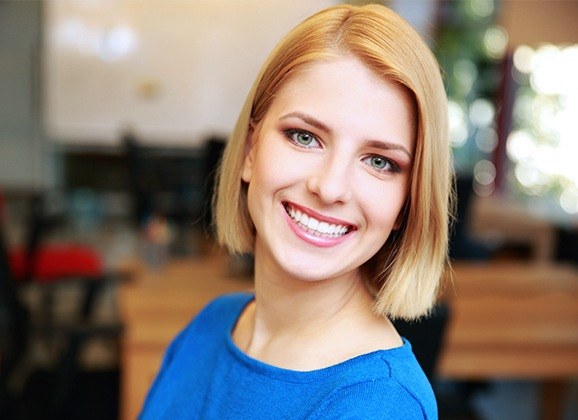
381	164
377	162
302	138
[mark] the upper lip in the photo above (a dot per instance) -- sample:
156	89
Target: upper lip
312	213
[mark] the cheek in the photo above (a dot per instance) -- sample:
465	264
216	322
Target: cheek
262	172
275	164
386	208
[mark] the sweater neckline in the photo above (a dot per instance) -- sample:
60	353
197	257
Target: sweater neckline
378	357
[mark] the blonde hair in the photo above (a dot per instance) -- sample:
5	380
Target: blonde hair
405	274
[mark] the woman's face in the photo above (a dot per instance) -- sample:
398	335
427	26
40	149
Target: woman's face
328	170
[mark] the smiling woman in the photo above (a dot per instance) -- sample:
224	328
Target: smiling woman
334	111
392	51
337	179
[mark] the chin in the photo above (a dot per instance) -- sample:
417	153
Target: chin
315	273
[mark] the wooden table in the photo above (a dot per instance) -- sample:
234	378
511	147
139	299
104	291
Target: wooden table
507	321
155	306
514	321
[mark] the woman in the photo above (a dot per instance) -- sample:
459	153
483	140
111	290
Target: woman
337	178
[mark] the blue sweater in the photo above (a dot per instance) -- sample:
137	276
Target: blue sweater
204	375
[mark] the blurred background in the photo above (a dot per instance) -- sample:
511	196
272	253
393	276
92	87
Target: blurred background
113	115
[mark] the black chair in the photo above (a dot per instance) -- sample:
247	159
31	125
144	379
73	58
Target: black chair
462	245
14	328
213	152
567	245
168	184
426	336
50	266
22	381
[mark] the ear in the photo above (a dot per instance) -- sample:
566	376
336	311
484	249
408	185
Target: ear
398	221
401	216
249	152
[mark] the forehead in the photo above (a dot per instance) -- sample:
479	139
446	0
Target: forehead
345	93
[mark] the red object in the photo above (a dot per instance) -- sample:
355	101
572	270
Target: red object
56	262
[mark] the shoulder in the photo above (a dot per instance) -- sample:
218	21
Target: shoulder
383	385
378	399
228	304
218	316
223	309
198	345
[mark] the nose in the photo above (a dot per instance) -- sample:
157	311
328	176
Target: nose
331	181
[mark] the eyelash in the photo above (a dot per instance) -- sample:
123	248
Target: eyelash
293	131
290	133
393	167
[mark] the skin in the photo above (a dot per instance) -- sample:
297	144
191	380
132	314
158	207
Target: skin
337	144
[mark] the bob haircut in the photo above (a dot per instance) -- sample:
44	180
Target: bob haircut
406	272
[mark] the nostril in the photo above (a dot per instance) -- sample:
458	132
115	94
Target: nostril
330	188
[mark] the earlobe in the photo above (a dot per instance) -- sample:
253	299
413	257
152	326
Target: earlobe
397	223
400	217
247	171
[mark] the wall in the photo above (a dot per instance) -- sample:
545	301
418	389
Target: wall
537	21
26	158
175	72
23	150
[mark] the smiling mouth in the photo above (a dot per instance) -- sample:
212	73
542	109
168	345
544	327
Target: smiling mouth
315	226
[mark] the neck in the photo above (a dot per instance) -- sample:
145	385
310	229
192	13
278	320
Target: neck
306	324
285	303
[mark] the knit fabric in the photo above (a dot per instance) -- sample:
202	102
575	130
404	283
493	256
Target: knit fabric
204	375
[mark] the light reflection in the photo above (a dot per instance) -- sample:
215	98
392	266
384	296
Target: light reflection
485	172
523	106
543	148
465	73
569	201
483	190
530	177
495	42
547	161
484	178
117	43
545	113
457	124
487	139
568	59
105	44
568	141
545	77
520	146
480	8
523	59
481	112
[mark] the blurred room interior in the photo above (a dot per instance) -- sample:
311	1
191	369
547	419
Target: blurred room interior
113	115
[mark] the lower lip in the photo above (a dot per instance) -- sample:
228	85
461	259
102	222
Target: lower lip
320	241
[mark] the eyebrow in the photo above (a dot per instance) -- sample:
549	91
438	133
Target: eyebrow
377	144
309	120
383	145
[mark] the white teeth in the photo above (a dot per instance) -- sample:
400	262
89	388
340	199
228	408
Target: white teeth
323	227
297	216
331	229
314	225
